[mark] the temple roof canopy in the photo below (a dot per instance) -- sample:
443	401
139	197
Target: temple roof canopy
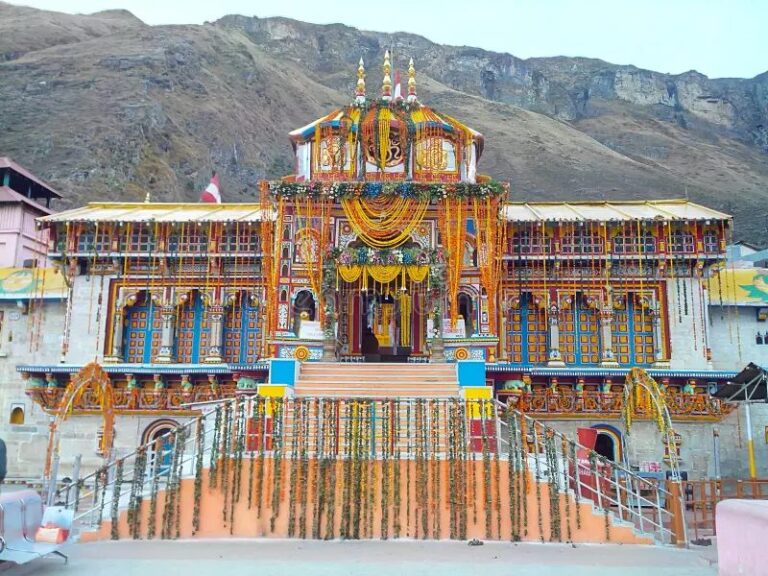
104	212
648	210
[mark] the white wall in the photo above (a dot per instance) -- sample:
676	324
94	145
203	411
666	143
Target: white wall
732	337
687	324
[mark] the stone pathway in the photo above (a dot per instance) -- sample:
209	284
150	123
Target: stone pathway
368	558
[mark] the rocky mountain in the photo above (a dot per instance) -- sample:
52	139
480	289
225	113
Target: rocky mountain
106	107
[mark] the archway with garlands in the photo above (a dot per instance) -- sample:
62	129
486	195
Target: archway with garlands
93	379
644	397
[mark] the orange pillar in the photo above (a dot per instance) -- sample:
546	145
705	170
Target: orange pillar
674	504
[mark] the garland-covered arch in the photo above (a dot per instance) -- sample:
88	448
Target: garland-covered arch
91	377
643	395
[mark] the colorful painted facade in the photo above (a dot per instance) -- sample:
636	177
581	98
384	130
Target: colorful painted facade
387	245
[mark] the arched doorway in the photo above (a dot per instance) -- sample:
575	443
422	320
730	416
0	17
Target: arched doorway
303	310
608	442
467	311
162	443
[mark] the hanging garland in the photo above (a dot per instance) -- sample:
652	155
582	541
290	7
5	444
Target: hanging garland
368	190
491	241
198	488
114	517
452	224
384	222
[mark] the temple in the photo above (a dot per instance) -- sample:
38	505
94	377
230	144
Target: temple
387	259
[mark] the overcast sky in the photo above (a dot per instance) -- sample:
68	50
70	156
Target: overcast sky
716	37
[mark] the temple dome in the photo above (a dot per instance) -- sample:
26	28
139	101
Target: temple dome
386	139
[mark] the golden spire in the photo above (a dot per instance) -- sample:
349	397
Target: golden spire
360	89
411	82
386	85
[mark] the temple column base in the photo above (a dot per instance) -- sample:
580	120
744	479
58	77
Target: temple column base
438	350
664	364
329	350
213	360
112	359
556	364
609	364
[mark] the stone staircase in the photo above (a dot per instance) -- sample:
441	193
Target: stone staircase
388	380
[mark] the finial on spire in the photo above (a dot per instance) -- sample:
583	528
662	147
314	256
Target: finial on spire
360	89
411	82
147	198
386	85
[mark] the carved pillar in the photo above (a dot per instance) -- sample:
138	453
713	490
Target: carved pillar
216	343
555	358
607	356
116	353
165	353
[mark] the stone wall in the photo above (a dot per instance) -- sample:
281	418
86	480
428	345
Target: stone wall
19	344
697	443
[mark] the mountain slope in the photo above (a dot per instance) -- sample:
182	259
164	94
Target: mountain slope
106	107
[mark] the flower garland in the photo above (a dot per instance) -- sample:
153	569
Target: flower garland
277	454
137	491
114	517
369	190
553	474
512	475
435	465
386	221
364	255
491	241
304	469
487	494
198	488
385	470
575	464
568	529
213	461
537	482
152	516
453	231
226	452
261	435
239	446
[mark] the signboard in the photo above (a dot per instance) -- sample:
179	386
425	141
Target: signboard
311	330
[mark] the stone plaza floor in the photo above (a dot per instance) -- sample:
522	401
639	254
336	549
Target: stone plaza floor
368	558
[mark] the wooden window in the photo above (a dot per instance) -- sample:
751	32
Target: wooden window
582	244
634	244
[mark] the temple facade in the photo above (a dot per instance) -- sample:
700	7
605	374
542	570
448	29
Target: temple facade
385	246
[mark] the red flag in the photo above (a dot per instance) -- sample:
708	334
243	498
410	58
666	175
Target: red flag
211	193
398	87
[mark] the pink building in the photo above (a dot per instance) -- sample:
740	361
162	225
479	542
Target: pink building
23	197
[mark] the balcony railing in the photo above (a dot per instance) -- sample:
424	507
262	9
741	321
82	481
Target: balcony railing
570	403
139	400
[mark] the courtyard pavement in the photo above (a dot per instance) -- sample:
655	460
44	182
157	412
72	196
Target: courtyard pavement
368	558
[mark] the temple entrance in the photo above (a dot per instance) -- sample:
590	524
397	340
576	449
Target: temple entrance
381	323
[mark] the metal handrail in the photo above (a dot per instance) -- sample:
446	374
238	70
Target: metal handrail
620	491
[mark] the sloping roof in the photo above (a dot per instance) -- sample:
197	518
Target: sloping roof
11	196
6	162
652	210
162	212
749	384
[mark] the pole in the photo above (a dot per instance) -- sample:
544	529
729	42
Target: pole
716	449
750	444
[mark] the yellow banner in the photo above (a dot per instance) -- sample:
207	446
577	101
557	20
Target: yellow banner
746	287
22	283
